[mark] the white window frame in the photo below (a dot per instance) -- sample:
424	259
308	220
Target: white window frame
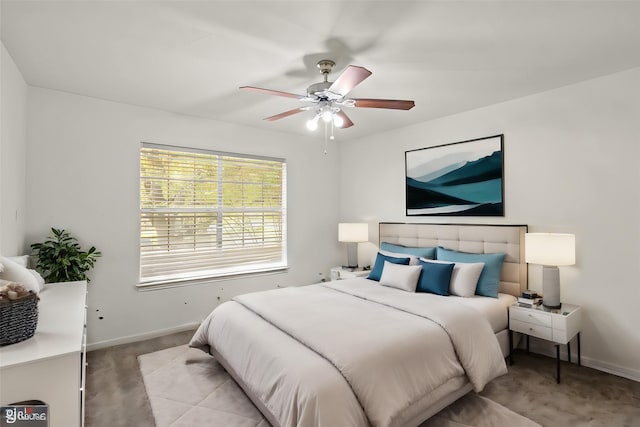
224	259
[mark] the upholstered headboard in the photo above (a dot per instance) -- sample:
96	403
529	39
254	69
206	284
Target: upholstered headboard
472	238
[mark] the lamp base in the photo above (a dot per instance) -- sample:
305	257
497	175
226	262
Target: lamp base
352	256
551	306
551	287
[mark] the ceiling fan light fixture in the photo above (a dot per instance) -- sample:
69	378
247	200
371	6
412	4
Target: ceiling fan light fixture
312	124
338	121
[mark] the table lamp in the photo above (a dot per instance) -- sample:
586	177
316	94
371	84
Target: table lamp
353	233
550	250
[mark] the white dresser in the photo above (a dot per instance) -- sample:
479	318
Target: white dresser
50	366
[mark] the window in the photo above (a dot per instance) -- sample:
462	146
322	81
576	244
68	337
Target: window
207	214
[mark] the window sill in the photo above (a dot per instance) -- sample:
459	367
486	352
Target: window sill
174	283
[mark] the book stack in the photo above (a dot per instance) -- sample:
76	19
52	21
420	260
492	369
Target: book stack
530	299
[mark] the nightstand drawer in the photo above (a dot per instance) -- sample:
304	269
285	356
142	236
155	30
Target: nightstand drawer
530	316
530	329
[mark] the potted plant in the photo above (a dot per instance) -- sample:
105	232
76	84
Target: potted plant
60	258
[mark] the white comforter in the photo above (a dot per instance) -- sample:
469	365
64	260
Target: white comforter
350	352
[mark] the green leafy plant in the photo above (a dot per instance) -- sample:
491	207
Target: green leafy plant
60	258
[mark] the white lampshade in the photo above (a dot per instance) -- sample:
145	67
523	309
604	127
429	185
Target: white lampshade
353	232
550	248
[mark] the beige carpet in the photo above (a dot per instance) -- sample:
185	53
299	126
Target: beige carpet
187	388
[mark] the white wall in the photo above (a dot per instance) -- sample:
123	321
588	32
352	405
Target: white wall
13	160
571	165
83	175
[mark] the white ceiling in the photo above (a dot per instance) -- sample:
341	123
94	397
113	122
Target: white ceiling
191	57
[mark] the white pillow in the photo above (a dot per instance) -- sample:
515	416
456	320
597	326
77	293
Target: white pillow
16	273
400	276
413	260
464	277
38	277
22	260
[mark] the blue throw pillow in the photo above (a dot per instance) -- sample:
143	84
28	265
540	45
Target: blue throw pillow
428	253
376	273
435	278
489	280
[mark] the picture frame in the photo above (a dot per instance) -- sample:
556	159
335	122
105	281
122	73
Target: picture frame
463	178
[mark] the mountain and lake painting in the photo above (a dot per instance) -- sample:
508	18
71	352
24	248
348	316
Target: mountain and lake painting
459	179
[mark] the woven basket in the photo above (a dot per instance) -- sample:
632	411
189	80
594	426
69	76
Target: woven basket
18	319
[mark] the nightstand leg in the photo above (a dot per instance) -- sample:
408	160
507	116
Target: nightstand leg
510	347
579	363
558	363
569	350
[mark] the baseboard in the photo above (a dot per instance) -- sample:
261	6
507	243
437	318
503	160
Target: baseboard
620	371
141	337
546	349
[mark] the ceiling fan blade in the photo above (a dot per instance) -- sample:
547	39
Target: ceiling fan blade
273	92
351	77
285	114
395	104
346	121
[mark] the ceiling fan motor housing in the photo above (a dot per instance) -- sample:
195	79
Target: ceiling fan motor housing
319	89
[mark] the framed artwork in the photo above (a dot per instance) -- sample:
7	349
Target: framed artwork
460	179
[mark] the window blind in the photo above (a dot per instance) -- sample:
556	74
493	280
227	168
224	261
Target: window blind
207	214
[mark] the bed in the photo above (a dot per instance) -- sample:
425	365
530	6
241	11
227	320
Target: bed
356	353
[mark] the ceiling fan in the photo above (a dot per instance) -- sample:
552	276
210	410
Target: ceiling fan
329	98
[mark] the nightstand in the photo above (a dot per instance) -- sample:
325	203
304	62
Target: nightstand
339	273
559	326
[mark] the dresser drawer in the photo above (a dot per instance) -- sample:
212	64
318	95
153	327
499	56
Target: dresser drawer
530	316
537	331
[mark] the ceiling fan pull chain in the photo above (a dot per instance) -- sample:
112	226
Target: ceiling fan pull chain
325	137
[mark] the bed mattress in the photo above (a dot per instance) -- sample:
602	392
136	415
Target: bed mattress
495	310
